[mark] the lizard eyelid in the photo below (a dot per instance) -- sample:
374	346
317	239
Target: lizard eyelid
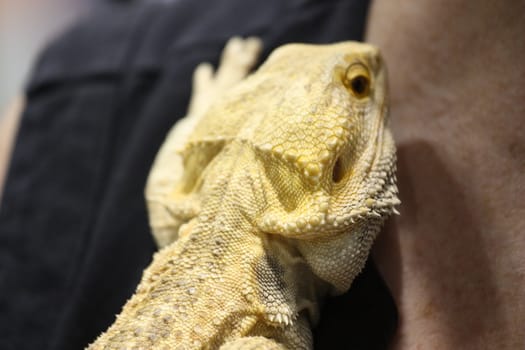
357	80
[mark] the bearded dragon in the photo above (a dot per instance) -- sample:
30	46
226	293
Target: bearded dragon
265	199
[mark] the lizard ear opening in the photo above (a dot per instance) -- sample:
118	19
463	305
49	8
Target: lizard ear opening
337	172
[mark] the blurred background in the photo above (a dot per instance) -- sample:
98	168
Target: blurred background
25	27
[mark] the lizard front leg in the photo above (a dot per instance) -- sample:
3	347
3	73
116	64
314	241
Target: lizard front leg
238	58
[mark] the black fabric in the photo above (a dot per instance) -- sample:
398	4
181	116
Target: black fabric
74	237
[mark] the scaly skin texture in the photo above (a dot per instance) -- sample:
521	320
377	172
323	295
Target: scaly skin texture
265	201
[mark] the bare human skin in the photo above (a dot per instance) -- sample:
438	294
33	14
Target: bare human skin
8	126
455	259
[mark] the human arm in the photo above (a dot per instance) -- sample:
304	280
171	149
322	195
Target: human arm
454	258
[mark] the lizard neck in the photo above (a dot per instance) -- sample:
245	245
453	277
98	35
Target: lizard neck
216	283
223	278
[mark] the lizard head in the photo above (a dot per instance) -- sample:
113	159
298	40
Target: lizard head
328	155
311	123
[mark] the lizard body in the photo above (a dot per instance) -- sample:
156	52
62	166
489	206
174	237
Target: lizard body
265	201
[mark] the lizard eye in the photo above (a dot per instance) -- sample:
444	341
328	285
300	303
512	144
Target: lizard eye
357	80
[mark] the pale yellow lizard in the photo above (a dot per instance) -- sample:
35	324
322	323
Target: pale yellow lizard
265	199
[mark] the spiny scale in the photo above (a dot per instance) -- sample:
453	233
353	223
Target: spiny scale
263	201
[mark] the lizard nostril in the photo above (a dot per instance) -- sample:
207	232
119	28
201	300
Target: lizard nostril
337	173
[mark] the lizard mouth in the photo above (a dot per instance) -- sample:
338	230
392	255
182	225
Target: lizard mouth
342	207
